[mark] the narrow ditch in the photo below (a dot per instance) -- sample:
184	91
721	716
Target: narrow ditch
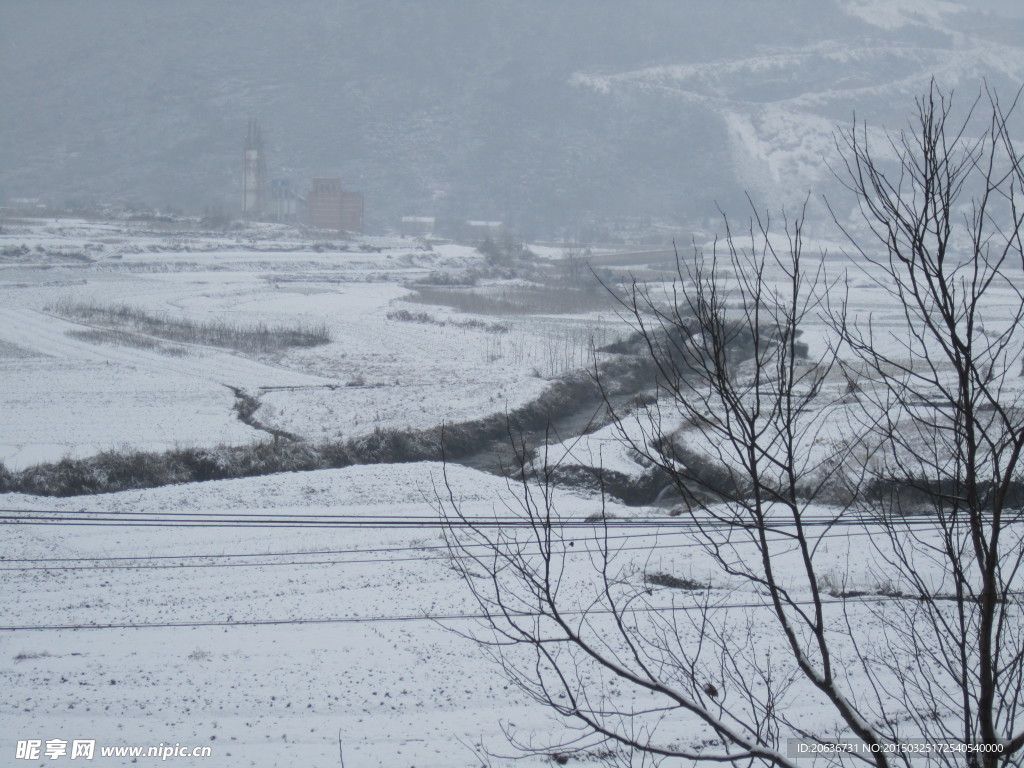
245	408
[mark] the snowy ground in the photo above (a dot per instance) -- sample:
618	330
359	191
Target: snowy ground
376	373
355	657
260	695
359	659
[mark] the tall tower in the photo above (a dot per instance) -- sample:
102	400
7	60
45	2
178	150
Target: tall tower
254	173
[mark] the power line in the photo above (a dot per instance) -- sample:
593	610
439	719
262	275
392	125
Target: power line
424	617
288	563
289	520
162	566
13	513
373	550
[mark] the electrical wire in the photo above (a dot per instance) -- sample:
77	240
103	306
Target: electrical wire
421	617
296	563
306	520
437	618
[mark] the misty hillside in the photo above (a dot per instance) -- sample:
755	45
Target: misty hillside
554	117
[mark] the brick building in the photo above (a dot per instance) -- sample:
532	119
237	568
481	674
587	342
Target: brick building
332	207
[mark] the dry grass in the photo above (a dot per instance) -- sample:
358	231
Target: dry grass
257	338
517	299
126	339
660	579
405	316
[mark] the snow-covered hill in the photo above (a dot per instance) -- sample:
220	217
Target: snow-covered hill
780	107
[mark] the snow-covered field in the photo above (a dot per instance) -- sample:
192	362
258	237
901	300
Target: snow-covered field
305	636
63	396
293	644
368	666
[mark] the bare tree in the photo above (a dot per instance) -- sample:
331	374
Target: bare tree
574	262
942	409
774	455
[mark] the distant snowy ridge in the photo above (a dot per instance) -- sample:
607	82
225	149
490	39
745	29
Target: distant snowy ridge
893	14
780	108
829	71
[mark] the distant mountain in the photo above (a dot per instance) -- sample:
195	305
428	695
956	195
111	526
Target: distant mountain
573	116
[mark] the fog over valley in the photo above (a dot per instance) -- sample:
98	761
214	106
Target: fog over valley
556	118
